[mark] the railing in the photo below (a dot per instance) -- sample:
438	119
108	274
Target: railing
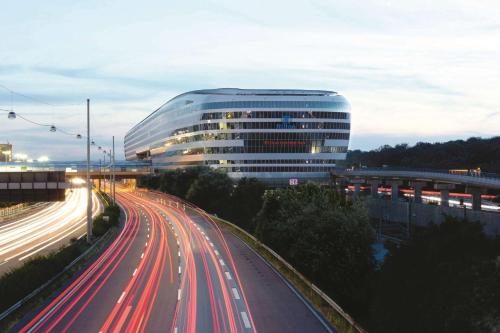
468	173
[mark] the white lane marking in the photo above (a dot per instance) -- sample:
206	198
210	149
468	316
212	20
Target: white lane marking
135	272
121	298
179	253
222	262
228	275
246	322
216	252
179	270
207	238
146	243
178	244
211	244
178	294
142	255
203	233
148	235
236	294
175	330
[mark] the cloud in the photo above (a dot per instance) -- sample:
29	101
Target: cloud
411	69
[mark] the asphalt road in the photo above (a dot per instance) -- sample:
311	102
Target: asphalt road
172	269
45	230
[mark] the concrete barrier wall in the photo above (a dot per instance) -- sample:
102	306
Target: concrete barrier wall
424	214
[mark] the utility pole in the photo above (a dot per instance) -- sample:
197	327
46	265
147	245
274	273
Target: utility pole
100	174
104	172
114	187
89	185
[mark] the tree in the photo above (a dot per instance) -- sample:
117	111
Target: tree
211	191
246	201
177	182
327	240
444	280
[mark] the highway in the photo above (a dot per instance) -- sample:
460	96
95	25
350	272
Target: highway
45	230
173	270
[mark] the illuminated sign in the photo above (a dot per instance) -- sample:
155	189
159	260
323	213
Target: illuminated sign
284	142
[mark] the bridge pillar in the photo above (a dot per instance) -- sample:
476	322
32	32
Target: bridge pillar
476	197
445	193
374	188
417	187
357	186
395	190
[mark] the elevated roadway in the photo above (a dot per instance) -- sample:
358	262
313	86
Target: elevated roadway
479	180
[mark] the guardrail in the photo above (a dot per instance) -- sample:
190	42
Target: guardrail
38	290
479	180
468	173
352	325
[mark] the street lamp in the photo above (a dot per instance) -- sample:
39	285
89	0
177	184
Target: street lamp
89	186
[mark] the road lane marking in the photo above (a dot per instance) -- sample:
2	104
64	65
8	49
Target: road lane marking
179	270
121	298
216	252
246	322
135	272
211	244
146	243
142	255
178	294
179	253
236	294
222	262
228	275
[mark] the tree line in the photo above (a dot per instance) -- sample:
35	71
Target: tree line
458	154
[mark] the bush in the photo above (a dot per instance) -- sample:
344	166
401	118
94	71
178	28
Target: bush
100	226
444	280
19	282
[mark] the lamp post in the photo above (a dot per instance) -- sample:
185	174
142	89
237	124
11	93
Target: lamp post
89	186
114	187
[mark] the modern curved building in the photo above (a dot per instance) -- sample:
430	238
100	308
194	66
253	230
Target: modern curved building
273	135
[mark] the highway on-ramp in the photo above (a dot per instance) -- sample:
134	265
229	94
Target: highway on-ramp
173	270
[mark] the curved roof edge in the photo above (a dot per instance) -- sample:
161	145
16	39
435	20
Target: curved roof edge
243	92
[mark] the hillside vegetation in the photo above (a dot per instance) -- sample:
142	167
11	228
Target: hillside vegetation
458	154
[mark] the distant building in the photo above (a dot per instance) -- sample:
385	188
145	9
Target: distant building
277	136
5	152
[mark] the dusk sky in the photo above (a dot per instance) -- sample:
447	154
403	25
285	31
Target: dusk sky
413	70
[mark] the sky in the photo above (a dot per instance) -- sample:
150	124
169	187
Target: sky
413	70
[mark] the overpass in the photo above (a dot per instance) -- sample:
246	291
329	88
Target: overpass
475	183
39	182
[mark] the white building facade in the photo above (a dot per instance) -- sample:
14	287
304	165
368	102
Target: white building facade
272	135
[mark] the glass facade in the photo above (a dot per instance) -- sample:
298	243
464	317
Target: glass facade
267	134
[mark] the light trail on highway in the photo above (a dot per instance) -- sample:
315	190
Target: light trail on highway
171	269
45	230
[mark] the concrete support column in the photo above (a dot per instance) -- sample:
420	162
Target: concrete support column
395	190
476	197
374	188
445	198
445	193
357	186
417	187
